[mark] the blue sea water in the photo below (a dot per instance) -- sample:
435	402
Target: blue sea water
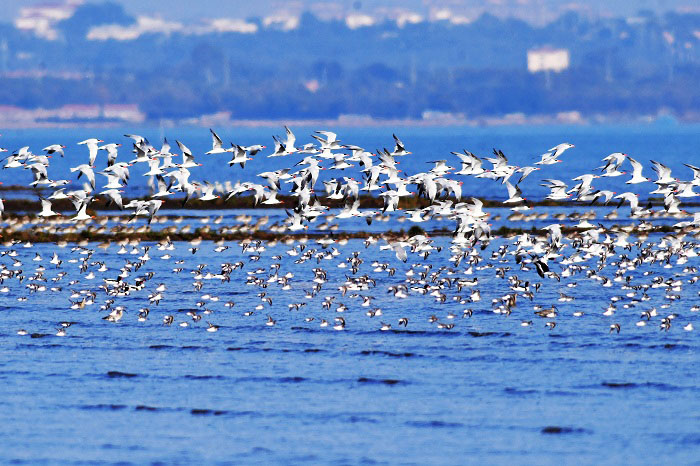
488	391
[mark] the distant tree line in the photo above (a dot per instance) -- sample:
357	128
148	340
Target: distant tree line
324	69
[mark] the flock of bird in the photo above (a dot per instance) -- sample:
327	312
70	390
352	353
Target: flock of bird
518	268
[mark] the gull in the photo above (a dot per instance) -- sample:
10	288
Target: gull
350	210
613	162
514	194
371	178
163	187
387	160
636	172
258	190
685	189
153	206
77	197
116	315
310	148
500	169
112	181
46	210
557	188
165	149
252	150
111	152
334	188
451	186
114	196
401	190
56	183
181	175
147	207
82	211
417	215
359	155
471	164
271	198
663	173
54	148
14	161
428	187
696	174
143	153
138	140
441	168
273	178
119	169
240	156
153	168
560	148
330	141
633	200
400	251
85	169
313	168
339	162
40	174
217	144
167	162
58	194
399	148
207	192
280	149
549	158
593	197
671	203
187	157
584	186
297	222
391	200
291	140
40	159
92	147
526	171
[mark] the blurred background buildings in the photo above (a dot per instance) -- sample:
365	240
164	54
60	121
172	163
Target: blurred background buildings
444	61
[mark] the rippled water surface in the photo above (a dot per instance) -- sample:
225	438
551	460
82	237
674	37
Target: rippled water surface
488	390
295	392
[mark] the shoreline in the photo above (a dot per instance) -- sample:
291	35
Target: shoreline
364	121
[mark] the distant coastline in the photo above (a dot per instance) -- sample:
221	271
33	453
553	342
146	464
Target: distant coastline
224	120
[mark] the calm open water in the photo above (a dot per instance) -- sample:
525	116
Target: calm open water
487	391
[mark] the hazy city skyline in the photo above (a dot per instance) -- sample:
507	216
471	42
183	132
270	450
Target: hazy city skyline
531	10
97	60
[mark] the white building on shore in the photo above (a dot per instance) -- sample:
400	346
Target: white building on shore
547	59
